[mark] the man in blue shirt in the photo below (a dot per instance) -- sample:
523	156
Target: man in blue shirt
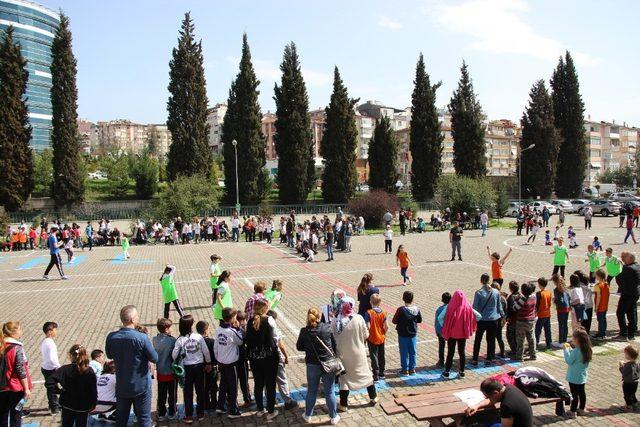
131	351
487	302
89	232
54	251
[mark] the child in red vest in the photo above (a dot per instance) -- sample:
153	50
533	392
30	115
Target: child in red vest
376	319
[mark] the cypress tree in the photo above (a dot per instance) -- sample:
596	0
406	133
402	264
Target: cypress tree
293	138
16	160
243	123
189	153
152	142
568	109
425	136
467	129
383	157
68	178
539	163
339	143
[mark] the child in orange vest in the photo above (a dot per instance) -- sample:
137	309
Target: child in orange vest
496	265
33	236
543	311
376	319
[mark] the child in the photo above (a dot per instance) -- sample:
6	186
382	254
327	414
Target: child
525	308
576	299
403	260
613	266
376	320
596	244
308	251
543	310
43	238
503	301
547	238
587	292
68	248
571	235
578	360
446	297
106	390
406	320
514	294
283	359
97	361
125	247
556	233
388	239
497	264
33	235
534	232
601	304
76	384
227	351
169	293
167	384
274	295
560	257
243	362
49	364
563	308
630	370
594	262
214	274
211	378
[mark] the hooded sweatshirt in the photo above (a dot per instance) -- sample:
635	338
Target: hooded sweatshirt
406	320
459	320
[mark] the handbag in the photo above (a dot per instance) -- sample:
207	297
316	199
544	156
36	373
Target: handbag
333	365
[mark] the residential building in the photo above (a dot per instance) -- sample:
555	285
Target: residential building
611	146
215	119
163	135
124	136
88	136
35	27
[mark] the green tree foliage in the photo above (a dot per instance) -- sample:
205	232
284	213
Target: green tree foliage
622	177
145	172
118	176
152	148
16	163
189	153
502	200
43	173
425	136
539	163
568	109
463	194
467	129
339	143
68	173
243	123
383	157
293	138
186	196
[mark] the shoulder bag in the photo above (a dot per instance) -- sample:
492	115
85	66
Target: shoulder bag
333	365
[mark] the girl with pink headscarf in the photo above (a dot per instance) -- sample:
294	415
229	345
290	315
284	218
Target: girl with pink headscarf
459	322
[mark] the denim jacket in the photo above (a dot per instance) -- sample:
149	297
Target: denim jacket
487	302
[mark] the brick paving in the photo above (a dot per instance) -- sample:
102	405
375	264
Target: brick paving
86	306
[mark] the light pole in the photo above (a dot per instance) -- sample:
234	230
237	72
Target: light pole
235	149
520	174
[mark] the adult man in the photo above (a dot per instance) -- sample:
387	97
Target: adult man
54	251
629	281
235	228
131	351
455	238
387	217
89	233
403	221
484	222
588	214
515	408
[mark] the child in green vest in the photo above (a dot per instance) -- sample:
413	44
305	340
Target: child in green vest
274	295
613	265
169	293
222	294
214	274
594	263
125	246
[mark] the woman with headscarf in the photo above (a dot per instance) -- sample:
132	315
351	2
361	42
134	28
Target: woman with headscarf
331	310
350	333
459	322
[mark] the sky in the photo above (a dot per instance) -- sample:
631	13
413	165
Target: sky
123	48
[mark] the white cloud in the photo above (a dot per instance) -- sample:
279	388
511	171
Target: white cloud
496	26
267	71
389	23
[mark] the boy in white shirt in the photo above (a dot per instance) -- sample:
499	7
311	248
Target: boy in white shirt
388	239
50	362
281	378
227	352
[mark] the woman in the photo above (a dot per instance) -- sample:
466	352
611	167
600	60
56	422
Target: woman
331	310
329	241
487	302
350	332
222	294
309	342
263	354
19	377
196	359
459	322
76	383
365	290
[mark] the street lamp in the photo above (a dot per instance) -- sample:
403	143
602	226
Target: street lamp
235	149
520	174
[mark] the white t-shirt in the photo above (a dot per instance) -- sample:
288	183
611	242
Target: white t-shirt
576	296
49	355
106	385
235	223
388	234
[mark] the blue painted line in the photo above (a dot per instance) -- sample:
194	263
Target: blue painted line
33	262
300	394
77	260
34	424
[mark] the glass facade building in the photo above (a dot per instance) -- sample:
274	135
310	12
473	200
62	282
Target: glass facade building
35	27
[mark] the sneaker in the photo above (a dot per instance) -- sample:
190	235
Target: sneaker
307	418
220	411
533	358
261	412
45	277
272	415
581	412
409	279
461	374
445	374
25	413
403	373
111	419
335	420
187	420
474	363
373	401
55	412
247	404
381	377
65	277
161	419
412	372
343	408
570	415
72	260
488	363
234	415
291	404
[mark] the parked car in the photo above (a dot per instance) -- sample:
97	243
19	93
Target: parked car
514	208
579	203
565	205
603	207
624	196
97	175
539	205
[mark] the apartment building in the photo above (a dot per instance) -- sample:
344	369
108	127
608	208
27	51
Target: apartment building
611	146
125	136
215	118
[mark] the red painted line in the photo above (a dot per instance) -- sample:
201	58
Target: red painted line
613	419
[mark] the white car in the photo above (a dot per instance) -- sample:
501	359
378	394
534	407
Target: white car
565	205
539	205
579	203
624	196
514	208
97	175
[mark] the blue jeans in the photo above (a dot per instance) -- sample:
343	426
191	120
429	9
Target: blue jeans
543	323
602	323
407	347
142	407
563	327
403	273
484	229
235	234
330	251
314	375
630	234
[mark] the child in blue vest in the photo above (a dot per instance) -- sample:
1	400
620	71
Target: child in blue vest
446	297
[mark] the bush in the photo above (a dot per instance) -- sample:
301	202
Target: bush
42	173
118	177
372	206
145	174
186	196
462	194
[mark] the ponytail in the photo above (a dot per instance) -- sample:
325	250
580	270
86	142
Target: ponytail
260	308
79	357
223	276
8	329
364	283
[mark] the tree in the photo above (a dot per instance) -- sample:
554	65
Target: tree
68	177
189	153
568	109
16	163
145	174
383	157
539	163
186	196
43	173
467	129
118	176
502	200
243	124
293	138
153	142
463	194
425	136
339	143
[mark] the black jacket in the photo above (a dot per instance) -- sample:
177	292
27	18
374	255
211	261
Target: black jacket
308	343
77	390
629	281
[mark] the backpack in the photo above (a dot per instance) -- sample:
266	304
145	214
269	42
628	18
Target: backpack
4	381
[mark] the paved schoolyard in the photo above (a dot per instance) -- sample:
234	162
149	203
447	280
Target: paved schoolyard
86	306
